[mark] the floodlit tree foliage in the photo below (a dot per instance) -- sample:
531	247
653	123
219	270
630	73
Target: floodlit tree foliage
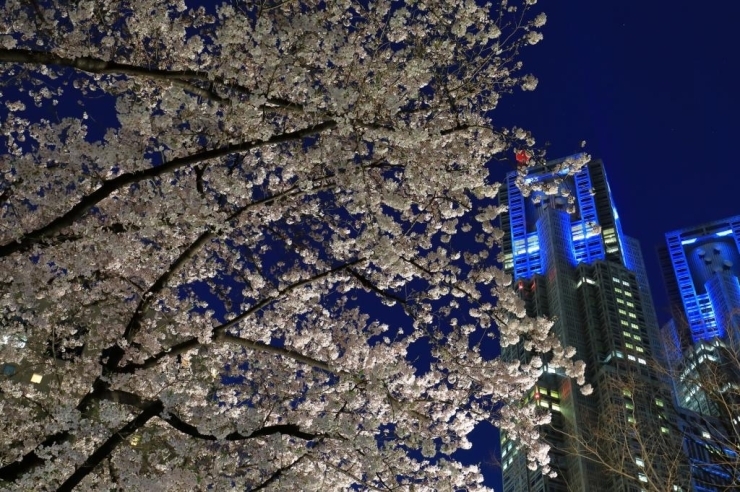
230	249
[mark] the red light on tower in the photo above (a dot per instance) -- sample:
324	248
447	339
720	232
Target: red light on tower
522	157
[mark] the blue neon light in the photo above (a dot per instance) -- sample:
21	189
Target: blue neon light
707	306
532	250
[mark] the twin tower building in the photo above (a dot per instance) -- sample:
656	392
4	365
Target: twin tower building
663	415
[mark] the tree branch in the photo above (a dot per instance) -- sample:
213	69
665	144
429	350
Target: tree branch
178	78
108	187
278	473
107	448
127	398
219	332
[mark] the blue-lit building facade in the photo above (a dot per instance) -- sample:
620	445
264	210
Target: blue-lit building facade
571	262
701	267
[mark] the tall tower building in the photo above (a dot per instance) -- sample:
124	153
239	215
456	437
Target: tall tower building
701	267
564	245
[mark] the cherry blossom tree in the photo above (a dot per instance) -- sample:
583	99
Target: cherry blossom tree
228	233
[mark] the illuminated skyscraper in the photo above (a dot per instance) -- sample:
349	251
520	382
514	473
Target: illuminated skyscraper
701	267
571	262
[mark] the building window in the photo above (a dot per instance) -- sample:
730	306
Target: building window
9	370
36	378
659	402
642	477
640	462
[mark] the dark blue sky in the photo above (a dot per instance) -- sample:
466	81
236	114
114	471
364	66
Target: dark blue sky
653	89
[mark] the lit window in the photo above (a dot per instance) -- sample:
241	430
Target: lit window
627	334
135	439
624	322
620	301
619	291
664	430
629	406
633	325
622	311
640	349
36	378
628	294
554	394
633	315
642	477
626	392
631	419
640	462
630	304
629	345
641	361
631	357
659	402
555	407
705	435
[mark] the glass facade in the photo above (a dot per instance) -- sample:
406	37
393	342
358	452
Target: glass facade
563	243
701	267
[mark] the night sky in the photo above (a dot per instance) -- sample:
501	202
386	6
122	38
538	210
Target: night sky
652	88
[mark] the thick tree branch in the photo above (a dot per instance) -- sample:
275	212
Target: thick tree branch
178	78
31	459
108	187
284	429
107	448
127	398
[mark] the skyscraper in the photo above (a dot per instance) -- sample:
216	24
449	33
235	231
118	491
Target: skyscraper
564	245
701	267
